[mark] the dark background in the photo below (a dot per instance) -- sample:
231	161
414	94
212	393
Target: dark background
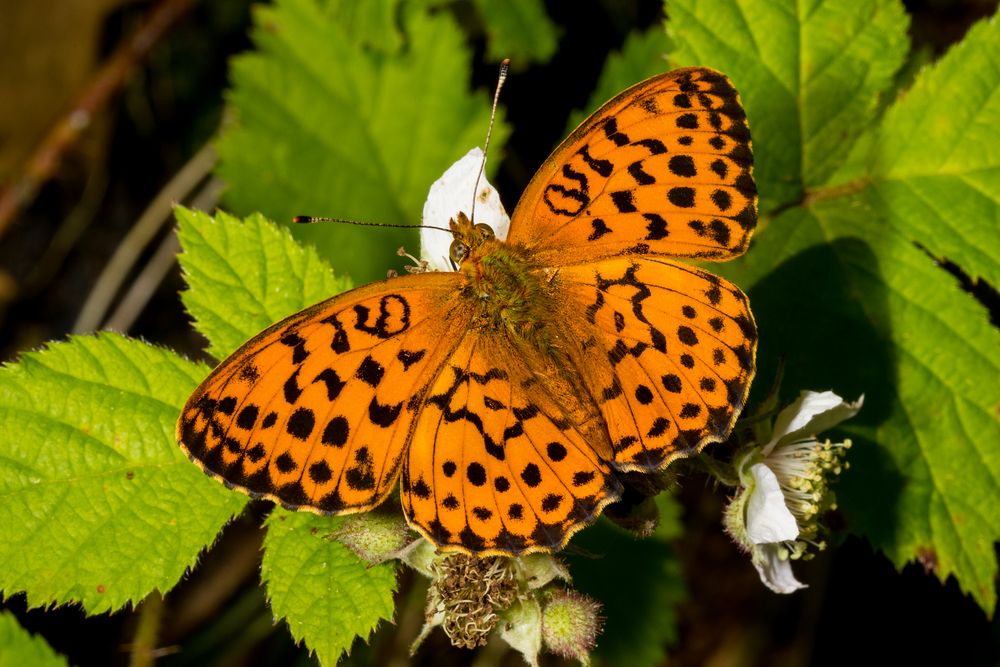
857	609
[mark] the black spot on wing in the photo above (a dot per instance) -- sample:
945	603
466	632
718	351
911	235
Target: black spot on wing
687	121
600	229
641	177
624	201
410	357
657	227
332	381
682	165
655	146
610	128
722	199
602	167
682	197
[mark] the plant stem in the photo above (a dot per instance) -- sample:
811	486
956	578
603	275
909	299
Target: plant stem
720	471
143	652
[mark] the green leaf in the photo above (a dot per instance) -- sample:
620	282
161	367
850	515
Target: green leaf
18	647
519	30
326	125
642	55
638	581
936	166
246	275
372	24
809	73
324	592
99	505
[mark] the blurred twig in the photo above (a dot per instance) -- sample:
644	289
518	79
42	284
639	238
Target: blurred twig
108	80
143	649
411	602
68	234
142	233
156	269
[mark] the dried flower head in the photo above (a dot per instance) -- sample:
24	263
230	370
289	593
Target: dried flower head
472	592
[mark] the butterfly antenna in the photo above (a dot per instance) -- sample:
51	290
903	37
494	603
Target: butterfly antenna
309	219
504	66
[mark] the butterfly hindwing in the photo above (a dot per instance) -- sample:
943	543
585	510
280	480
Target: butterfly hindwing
315	411
672	356
664	168
494	466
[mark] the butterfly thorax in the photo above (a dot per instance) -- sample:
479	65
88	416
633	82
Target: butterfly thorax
514	302
508	293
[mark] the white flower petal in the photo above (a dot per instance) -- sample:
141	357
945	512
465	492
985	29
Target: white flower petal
774	571
768	517
454	192
813	412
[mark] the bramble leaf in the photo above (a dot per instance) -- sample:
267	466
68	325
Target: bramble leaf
325	593
99	504
519	30
944	189
809	73
327	125
845	284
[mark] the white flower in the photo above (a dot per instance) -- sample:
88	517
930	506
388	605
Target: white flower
786	487
454	192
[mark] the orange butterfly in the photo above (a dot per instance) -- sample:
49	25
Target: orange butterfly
506	395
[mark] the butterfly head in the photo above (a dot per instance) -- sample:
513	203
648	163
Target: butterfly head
468	238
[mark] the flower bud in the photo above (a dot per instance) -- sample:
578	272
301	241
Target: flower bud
374	537
571	622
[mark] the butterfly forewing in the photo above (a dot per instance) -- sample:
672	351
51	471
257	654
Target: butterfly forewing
664	168
494	465
315	412
671	359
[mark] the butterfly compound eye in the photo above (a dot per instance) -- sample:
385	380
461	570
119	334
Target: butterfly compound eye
458	251
485	231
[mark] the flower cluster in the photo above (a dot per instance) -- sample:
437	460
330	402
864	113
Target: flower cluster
522	600
785	487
